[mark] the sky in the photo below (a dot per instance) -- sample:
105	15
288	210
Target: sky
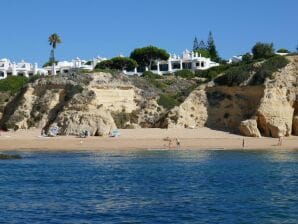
109	28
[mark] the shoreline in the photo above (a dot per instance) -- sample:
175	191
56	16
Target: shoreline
142	139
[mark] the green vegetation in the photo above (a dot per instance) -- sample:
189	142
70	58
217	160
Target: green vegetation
204	53
117	63
283	50
154	79
185	73
212	48
262	50
208	51
54	40
8	156
268	68
12	84
146	56
247	58
213	72
167	101
236	75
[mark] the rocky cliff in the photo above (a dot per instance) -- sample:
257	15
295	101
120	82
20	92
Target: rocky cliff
269	109
100	102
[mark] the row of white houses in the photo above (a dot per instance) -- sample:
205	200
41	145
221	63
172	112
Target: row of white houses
188	60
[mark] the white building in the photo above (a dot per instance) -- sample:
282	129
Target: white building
235	59
8	68
65	67
188	60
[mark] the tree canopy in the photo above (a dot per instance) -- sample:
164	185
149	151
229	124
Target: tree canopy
146	56
118	63
195	44
54	39
283	50
263	50
212	48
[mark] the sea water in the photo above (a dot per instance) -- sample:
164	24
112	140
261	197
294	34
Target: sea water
150	187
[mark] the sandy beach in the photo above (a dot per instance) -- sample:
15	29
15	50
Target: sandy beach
202	138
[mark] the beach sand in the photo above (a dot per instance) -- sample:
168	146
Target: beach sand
153	138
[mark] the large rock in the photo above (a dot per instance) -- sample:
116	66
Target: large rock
98	123
275	114
249	128
192	113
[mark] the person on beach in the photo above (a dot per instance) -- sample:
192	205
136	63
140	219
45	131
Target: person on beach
178	143
279	141
170	143
243	143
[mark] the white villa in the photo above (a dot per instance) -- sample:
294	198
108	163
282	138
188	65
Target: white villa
8	68
65	67
188	60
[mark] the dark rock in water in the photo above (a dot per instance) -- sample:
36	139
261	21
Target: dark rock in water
7	156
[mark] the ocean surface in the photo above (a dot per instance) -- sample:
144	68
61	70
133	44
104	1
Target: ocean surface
150	187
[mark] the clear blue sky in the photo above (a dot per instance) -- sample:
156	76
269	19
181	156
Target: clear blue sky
112	27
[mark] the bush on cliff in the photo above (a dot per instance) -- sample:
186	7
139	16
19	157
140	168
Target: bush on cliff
212	72
258	74
235	75
267	69
262	50
167	101
185	73
12	84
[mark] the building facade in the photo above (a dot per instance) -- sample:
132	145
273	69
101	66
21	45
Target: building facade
188	60
66	67
8	68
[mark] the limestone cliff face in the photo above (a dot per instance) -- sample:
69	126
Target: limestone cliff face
269	110
73	103
217	107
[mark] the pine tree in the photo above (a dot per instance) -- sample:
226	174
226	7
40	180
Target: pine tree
202	45
195	44
212	48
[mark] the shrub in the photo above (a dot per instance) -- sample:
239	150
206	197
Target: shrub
167	101
234	76
262	50
268	68
12	84
241	73
247	58
204	53
106	64
185	73
212	72
150	75
283	50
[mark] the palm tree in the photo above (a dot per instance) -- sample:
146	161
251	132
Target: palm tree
54	40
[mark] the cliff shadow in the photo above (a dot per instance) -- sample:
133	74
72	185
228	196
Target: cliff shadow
228	106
